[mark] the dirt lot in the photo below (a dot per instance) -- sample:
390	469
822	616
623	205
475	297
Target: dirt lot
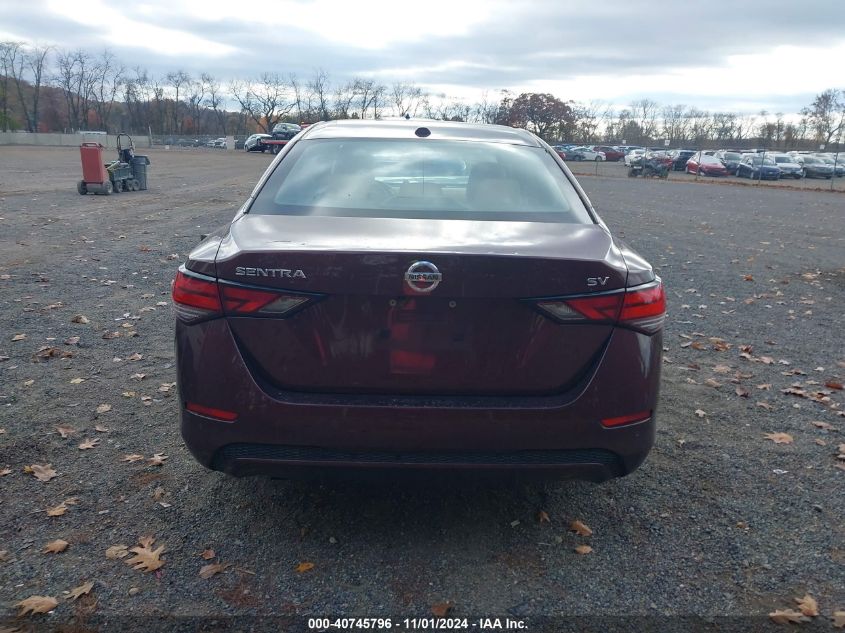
720	523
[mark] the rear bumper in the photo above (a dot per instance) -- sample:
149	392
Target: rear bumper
294	434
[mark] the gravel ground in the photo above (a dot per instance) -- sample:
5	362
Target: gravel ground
719	522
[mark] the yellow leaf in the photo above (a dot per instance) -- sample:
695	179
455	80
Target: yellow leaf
36	604
54	547
43	473
303	567
58	511
788	616
117	551
207	571
808	605
81	590
779	438
441	609
580	528
146	558
583	549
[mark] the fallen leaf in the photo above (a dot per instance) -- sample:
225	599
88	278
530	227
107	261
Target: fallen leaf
742	393
135	356
583	549
808	605
146	558
76	381
765	405
207	554
543	517
110	335
100	429
89	444
65	431
104	408
303	567
441	609
580	528
833	384
5	471
822	425
157	459
80	318
207	571
81	590
72	340
117	551
42	473
132	458
138	376
58	511
722	369
54	547
700	413
712	383
19	337
838	619
36	604
788	616
748	277
779	438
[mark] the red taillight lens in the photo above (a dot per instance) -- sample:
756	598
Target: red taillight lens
240	300
645	309
641	308
195	298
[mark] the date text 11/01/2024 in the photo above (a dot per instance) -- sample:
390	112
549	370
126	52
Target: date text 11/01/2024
416	624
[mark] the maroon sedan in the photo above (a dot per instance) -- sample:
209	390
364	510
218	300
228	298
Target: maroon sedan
705	165
418	295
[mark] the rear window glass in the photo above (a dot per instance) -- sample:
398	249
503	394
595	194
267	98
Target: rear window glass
438	179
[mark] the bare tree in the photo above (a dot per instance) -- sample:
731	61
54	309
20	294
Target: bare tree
109	75
644	112
344	96
177	80
214	100
265	101
8	53
405	98
319	87
27	67
675	124
826	115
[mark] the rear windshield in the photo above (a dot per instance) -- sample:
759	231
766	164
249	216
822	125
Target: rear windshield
438	179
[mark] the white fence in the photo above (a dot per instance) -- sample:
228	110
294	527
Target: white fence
68	140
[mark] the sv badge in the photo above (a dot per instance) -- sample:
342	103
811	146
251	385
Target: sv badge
597	281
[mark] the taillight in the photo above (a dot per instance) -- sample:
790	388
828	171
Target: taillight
642	308
198	298
239	300
195	298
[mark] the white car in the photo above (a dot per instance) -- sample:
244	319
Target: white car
585	153
789	166
634	154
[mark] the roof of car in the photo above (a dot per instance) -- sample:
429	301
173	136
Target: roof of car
406	128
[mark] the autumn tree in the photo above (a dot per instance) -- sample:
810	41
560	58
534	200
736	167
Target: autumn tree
544	114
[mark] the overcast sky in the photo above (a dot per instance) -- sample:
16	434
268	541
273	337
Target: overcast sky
746	55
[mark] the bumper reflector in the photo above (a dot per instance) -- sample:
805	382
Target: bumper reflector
626	419
211	412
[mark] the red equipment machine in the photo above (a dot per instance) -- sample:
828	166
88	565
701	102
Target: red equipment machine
127	173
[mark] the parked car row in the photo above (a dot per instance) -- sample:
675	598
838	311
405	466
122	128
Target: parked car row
579	153
758	164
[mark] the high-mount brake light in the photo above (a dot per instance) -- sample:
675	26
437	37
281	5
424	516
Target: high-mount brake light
641	308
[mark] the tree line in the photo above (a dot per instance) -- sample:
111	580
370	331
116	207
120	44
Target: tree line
48	89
